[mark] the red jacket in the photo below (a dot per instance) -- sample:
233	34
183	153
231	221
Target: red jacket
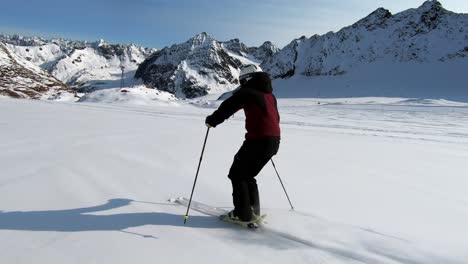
259	104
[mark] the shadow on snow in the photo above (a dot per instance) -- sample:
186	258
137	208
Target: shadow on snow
83	219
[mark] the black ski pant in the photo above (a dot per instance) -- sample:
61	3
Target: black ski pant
248	162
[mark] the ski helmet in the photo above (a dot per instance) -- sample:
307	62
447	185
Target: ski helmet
246	72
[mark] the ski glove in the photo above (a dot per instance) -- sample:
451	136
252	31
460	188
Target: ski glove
210	122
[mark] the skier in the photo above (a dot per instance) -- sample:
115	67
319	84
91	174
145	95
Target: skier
261	143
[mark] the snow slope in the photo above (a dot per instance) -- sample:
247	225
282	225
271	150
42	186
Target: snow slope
371	183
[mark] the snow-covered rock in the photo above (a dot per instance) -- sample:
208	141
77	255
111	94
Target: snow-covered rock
424	35
20	78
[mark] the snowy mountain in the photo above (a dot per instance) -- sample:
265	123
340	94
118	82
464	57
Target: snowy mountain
199	66
20	78
84	66
425	35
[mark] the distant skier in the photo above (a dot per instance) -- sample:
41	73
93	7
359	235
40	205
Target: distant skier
262	139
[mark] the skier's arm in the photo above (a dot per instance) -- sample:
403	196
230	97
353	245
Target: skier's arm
226	109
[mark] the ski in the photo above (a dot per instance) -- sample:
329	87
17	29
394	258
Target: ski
218	212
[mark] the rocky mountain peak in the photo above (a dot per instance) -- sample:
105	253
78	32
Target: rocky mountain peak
431	5
201	40
432	13
267	45
374	20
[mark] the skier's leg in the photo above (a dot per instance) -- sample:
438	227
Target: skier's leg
254	196
241	199
248	162
254	169
240	188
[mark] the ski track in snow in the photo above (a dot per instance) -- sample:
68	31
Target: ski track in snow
60	156
374	254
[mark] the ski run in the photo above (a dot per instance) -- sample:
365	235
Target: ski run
373	180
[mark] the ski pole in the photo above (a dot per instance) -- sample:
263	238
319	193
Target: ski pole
274	166
186	217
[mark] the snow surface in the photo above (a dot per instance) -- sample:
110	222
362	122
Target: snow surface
371	182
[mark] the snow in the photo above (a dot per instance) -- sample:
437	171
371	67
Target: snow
373	180
138	95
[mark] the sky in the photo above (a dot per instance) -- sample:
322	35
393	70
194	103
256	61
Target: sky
159	23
